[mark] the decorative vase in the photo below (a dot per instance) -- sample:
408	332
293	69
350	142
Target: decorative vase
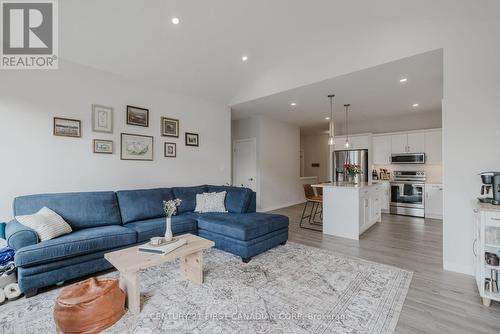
356	178
168	230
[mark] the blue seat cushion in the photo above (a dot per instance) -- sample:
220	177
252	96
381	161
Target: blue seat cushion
146	229
142	204
80	210
242	226
188	197
81	242
237	198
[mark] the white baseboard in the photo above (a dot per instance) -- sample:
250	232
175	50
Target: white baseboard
458	268
440	217
281	206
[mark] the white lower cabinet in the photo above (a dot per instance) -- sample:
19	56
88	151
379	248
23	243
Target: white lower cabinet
434	200
370	208
385	196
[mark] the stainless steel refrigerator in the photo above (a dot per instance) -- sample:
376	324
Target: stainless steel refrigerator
353	157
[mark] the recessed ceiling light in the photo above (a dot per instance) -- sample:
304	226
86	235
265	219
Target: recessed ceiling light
244	58
327	118
403	80
293	104
175	20
414	105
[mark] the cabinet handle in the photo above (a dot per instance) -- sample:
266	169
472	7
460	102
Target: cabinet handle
493	218
474	247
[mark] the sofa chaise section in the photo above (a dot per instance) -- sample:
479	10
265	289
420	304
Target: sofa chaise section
245	234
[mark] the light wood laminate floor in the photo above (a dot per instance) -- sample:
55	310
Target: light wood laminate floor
438	301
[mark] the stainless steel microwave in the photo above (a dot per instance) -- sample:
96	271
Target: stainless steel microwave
408	158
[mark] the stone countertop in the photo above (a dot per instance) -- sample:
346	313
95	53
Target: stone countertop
486	207
346	185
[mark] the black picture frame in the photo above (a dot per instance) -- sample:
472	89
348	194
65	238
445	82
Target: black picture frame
189	141
165	150
59	130
164	130
140	118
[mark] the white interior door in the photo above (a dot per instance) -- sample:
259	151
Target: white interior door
245	163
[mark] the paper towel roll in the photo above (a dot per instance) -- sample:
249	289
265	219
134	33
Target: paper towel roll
12	291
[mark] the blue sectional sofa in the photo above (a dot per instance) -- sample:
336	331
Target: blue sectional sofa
107	221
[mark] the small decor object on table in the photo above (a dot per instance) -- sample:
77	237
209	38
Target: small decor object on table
192	139
66	127
170	150
136	147
137	116
170	208
103	146
169	127
354	172
102	119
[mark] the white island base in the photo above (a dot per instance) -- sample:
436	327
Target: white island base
349	209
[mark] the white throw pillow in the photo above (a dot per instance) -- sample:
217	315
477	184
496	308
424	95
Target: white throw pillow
210	202
46	223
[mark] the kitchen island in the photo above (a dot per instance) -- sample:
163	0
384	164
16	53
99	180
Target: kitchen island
350	209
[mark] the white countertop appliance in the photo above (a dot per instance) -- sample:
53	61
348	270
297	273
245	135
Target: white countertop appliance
407	193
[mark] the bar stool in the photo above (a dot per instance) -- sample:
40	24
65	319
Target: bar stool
317	203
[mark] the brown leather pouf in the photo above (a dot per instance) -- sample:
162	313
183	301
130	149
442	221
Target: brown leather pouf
89	306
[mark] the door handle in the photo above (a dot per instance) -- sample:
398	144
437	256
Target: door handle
250	179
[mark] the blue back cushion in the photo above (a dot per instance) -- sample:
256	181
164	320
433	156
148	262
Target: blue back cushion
237	198
143	204
79	210
188	197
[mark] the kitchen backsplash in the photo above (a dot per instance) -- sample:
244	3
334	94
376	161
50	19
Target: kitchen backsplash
434	173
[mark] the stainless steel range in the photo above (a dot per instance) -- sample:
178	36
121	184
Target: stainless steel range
407	193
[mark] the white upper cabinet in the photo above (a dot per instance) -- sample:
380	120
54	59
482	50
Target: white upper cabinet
339	143
416	143
382	150
408	143
359	142
399	143
356	143
434	147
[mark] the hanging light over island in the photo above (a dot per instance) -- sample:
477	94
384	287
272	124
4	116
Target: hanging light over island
331	140
347	143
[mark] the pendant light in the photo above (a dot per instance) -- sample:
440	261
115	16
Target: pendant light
331	140
347	144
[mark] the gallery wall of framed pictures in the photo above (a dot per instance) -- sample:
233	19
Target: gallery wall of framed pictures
133	146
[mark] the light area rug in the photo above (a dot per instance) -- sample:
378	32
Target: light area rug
289	289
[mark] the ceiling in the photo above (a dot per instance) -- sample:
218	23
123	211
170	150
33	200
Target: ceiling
379	101
201	56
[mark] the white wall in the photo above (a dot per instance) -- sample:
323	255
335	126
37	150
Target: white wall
316	150
278	160
468	33
35	161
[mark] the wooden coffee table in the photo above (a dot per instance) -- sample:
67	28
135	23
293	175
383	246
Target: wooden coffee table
130	262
